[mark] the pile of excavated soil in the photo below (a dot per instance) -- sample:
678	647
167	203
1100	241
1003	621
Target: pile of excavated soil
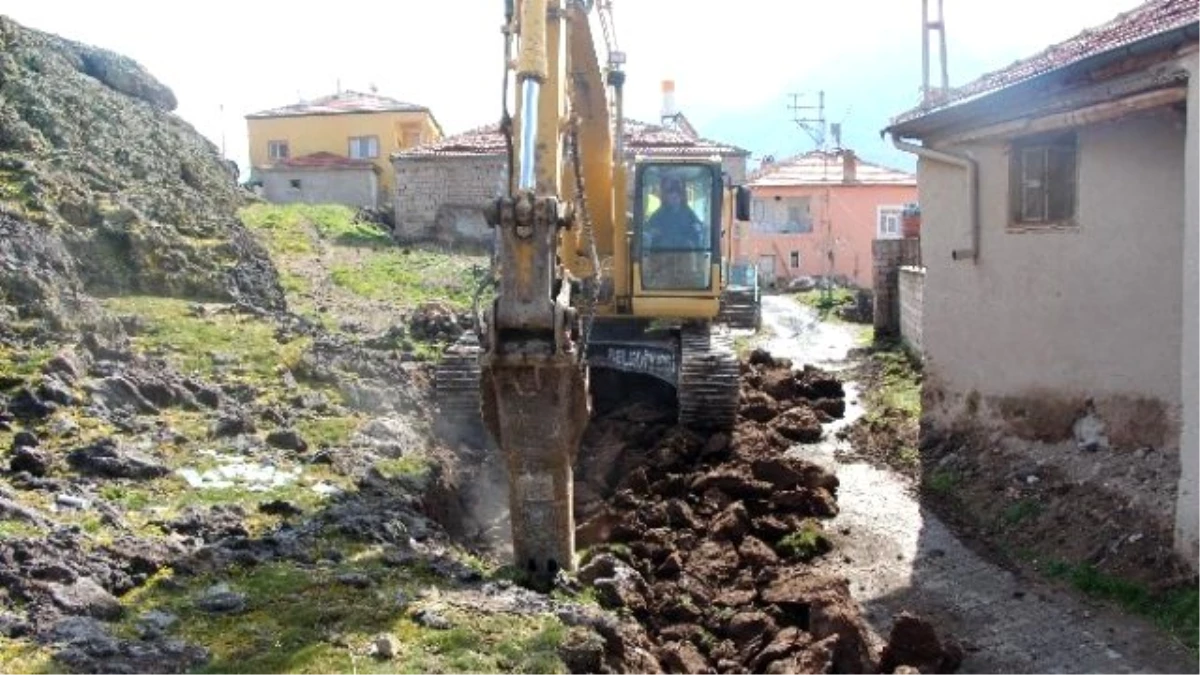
713	545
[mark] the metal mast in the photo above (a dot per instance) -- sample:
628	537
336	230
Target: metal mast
928	25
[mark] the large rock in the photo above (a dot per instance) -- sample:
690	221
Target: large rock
119	194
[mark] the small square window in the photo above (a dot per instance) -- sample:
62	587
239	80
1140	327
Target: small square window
888	226
1042	180
364	147
277	149
795	260
294	183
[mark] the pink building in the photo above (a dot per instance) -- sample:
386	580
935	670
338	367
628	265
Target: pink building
816	215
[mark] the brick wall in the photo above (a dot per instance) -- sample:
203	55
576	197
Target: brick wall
889	256
442	198
912	295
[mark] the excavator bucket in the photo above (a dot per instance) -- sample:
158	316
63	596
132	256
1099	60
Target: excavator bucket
537	416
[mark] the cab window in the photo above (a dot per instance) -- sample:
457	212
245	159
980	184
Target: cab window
676	227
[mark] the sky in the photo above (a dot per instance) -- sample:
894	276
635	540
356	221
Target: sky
735	65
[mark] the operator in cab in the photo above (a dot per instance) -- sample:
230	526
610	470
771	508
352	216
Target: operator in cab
674	225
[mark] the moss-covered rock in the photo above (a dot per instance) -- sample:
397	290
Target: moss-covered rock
143	203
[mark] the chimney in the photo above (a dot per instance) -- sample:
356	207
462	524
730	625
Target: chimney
849	167
668	108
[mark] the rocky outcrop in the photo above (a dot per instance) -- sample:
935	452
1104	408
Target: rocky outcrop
109	191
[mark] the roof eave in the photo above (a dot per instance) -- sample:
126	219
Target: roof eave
331	113
1008	99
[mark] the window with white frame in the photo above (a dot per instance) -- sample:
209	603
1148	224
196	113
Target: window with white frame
888	222
364	147
277	149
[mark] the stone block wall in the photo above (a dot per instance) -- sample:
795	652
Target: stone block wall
442	198
889	256
911	297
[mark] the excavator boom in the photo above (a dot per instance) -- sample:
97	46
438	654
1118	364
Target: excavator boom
533	380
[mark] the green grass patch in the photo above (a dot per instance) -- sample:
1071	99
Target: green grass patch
23	364
826	301
1177	610
19	529
1020	511
894	391
23	656
412	466
806	543
294	284
943	482
409	277
289	228
193	343
301	619
328	432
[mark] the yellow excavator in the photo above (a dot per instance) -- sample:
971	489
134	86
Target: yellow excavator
586	278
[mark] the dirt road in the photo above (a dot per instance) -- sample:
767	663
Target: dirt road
898	555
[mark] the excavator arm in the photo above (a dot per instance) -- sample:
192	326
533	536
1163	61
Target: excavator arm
533	377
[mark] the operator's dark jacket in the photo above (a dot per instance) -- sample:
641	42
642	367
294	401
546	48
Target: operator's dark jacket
674	228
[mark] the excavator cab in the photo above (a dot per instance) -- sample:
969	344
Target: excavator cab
677	215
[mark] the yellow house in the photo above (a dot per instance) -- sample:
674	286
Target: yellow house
349	124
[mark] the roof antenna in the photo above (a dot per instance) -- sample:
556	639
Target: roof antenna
814	126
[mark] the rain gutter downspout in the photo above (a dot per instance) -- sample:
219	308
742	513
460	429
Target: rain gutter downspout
972	169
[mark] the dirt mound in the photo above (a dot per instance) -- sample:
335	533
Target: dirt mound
712	544
436	321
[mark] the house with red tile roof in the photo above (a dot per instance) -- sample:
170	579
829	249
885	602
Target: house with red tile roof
442	187
355	126
817	214
1059	295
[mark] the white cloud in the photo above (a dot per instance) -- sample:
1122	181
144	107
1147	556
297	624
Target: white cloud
726	58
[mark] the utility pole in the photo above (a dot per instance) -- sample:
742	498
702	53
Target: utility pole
813	126
928	25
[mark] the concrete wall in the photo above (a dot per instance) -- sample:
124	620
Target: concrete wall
1063	313
353	187
1187	520
442	198
911	300
845	220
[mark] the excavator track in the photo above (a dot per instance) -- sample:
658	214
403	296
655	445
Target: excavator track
739	309
456	392
708	379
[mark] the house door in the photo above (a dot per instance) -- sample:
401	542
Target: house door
766	270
